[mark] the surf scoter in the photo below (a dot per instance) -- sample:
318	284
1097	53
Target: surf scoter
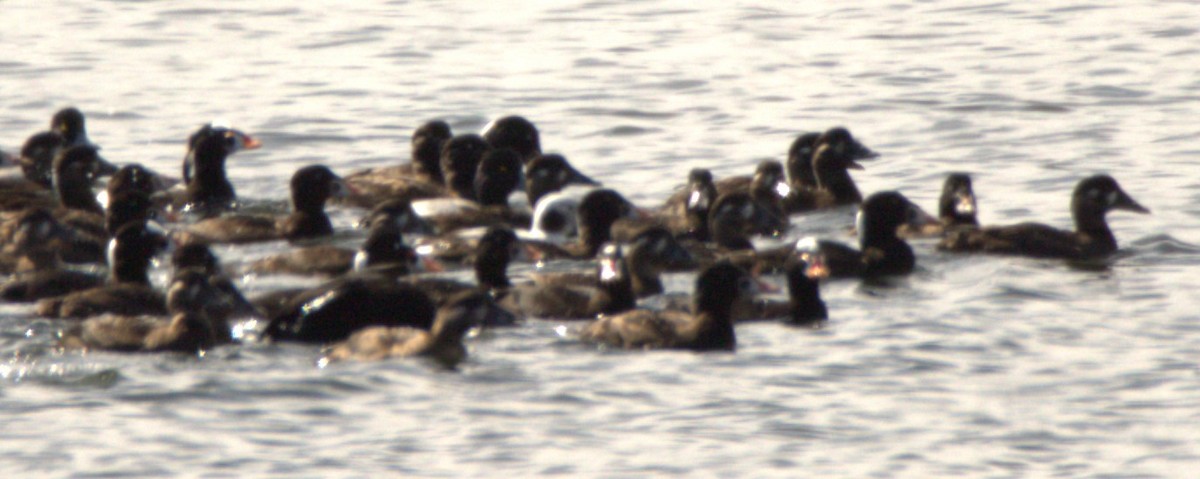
384	245
209	191
197	322
333	311
610	292
804	306
881	252
420	178
517	133
311	186
956	208
128	290
799	160
1093	198
460	160
709	328
441	343
70	123
399	211
37	157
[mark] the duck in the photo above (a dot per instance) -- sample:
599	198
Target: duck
651	252
196	322
804	306
598	210
208	191
799	160
708	328
128	290
881	252
71	124
35	260
689	219
611	292
384	245
442	343
460	160
199	257
311	186
836	153
37	157
549	173
493	252
420	178
495	178
334	310
957	209
514	132
1091	201
399	211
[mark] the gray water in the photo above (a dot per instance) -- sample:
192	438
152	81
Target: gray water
972	367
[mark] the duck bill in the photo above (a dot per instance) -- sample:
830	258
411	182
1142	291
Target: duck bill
1125	202
341	189
430	265
860	152
581	179
250	142
919	219
817	268
104	167
854	165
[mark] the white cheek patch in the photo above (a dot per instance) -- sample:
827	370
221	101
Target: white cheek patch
660	246
748	211
697	201
1111	198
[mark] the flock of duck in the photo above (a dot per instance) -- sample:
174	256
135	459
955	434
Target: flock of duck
480	201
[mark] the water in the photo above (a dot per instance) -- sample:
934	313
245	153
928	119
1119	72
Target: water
973	366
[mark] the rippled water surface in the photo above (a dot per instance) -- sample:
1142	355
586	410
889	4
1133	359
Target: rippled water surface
972	367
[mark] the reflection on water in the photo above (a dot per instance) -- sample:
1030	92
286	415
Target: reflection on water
974	366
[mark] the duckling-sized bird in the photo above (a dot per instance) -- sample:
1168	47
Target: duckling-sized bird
956	209
1093	198
208	190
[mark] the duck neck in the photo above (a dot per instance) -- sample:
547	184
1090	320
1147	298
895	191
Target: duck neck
491	270
644	277
209	183
716	329
837	181
1090	222
76	194
805	302
131	271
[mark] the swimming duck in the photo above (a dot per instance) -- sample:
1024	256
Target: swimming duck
441	343
709	328
514	132
596	213
333	311
1093	198
611	292
311	186
804	306
881	252
70	123
209	191
420	178
197	323
549	173
956	208
128	290
460	160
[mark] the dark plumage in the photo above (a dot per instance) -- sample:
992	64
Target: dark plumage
441	343
460	160
709	328
1093	198
881	252
549	173
128	290
209	191
311	187
335	310
517	133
